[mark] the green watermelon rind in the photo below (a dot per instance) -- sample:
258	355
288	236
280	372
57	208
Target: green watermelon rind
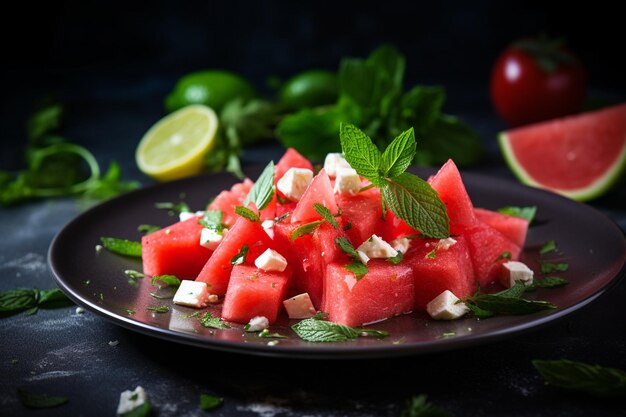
599	187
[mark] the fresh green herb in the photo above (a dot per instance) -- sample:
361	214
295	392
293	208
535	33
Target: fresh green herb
208	320
159	309
146	229
122	246
396	259
549	246
550	267
326	214
547	282
132	274
101	296
362	154
167	280
212	219
347	227
173	208
130	312
516	291
267	334
281	218
107	186
32	400
448	334
499	304
241	256
210	402
31	299
305	229
596	380
356	266
247	214
315	329
263	189
142	410
504	255
419	406
527	213
432	254
195	314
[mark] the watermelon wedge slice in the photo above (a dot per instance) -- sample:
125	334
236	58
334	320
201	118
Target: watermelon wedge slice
580	156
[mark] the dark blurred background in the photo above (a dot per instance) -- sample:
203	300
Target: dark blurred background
114	52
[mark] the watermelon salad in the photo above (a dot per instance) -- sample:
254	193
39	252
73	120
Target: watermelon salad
323	242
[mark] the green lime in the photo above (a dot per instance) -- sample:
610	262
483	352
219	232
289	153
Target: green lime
213	88
309	89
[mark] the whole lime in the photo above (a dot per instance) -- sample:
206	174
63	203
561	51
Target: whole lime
307	89
213	88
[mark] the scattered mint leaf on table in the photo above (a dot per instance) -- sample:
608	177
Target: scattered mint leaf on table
122	246
210	402
596	380
146	229
167	280
173	208
263	189
548	247
547	282
208	320
33	400
316	329
31	299
158	309
549	267
419	406
527	213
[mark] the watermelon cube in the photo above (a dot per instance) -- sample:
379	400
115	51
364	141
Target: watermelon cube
445	269
489	249
385	291
394	227
514	228
227	200
175	250
216	272
253	292
449	185
363	212
320	191
290	159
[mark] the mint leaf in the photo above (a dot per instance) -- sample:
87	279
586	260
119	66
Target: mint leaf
419	406
399	154
549	246
158	309
173	208
498	304
516	291
212	219
596	380
168	280
18	299
347	247
263	189
504	255
247	214
361	153
241	256
122	246
32	400
208	320
358	268
305	229
326	214
141	411
210	402
549	267
53	298
547	282
316	330
146	229
527	213
396	259
413	200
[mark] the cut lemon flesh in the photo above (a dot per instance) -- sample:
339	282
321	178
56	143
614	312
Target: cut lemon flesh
174	147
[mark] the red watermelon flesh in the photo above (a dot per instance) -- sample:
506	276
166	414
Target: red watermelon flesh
253	292
363	212
385	291
227	200
449	185
514	228
174	250
579	156
216	271
320	191
450	269
290	159
394	227
488	250
282	209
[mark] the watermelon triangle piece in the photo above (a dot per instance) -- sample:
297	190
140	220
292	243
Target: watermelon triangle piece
580	157
290	159
320	191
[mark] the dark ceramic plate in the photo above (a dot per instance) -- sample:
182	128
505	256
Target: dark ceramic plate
592	244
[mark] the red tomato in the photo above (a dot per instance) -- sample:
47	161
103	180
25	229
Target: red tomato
535	80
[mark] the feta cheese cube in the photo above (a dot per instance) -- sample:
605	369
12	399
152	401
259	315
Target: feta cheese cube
375	247
401	244
514	271
210	238
192	294
299	306
258	323
186	215
268	226
446	243
270	260
130	400
364	258
333	162
295	182
444	307
347	182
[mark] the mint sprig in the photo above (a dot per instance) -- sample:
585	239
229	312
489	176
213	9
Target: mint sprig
326	214
316	329
263	189
356	266
212	219
305	229
122	246
410	198
247	214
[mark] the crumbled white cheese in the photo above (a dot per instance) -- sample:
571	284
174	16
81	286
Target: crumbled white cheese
192	294
210	238
258	323
270	260
347	182
445	244
299	306
295	182
375	247
445	307
514	271
186	215
80	310
401	244
364	258
268	226
129	400
333	162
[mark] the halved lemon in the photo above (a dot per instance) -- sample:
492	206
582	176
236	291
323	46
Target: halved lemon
175	146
